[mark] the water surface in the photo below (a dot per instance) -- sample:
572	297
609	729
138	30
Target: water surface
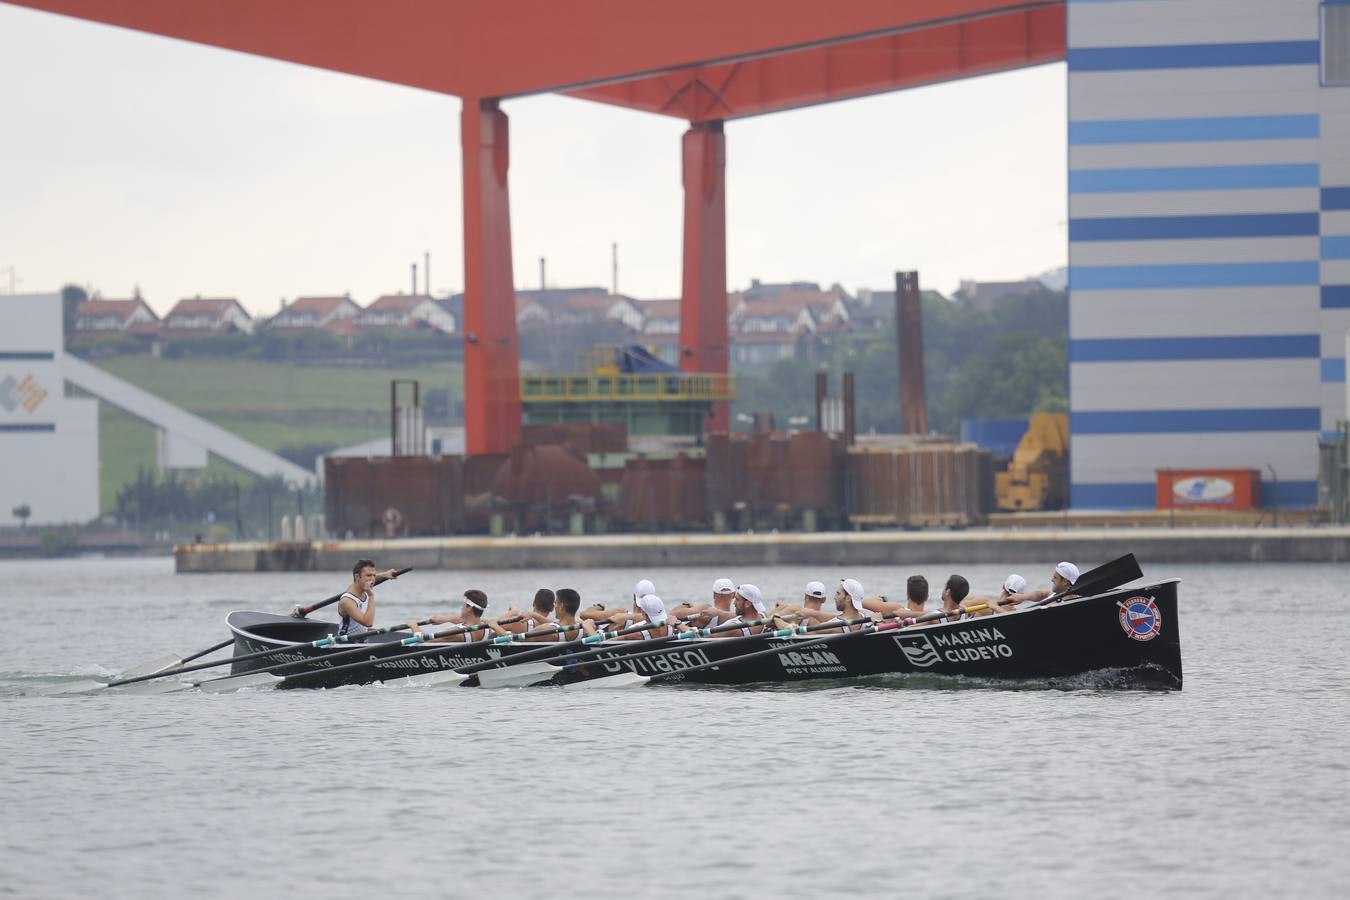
1235	787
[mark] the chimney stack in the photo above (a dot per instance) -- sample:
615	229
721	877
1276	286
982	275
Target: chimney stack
909	344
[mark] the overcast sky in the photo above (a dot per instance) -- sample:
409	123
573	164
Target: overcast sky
133	160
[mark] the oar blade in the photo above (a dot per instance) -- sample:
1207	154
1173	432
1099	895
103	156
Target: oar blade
73	688
1109	576
165	686
516	676
153	667
238	682
622	680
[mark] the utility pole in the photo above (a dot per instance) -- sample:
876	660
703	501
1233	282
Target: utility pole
13	278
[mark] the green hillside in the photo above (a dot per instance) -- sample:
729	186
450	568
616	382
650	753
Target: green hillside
281	407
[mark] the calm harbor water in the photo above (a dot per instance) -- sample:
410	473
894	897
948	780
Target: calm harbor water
1235	787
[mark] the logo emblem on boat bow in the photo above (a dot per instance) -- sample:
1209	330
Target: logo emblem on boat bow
918	649
1140	618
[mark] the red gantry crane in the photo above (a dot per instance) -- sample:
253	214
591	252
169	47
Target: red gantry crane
705	61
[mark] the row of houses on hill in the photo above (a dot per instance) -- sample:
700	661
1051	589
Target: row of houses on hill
224	315
766	321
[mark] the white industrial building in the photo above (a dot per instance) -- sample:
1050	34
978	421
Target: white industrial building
1209	227
49	453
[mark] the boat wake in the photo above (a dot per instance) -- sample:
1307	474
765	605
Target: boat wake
1145	678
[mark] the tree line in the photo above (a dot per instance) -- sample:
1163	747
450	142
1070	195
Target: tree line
1004	361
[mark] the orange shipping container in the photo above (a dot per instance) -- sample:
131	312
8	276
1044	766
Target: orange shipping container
1209	488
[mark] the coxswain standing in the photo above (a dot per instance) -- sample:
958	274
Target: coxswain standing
706	615
357	605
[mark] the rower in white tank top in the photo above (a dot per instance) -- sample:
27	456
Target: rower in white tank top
350	626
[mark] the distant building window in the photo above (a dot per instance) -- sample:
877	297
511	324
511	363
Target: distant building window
1336	42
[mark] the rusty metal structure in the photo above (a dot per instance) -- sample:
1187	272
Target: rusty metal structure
920	485
704	61
909	342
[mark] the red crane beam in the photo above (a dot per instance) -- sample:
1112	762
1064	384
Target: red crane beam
841	71
503	48
702	60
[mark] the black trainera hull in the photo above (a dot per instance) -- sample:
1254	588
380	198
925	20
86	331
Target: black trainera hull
1127	638
332	666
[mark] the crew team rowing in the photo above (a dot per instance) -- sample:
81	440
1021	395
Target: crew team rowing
557	616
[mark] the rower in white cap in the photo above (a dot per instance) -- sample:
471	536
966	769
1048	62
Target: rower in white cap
617	614
705	615
649	609
810	610
848	600
1013	584
1062	581
748	603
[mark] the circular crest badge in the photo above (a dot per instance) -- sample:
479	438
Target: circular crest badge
1140	618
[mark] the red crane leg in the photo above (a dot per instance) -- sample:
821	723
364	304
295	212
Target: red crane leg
703	297
491	350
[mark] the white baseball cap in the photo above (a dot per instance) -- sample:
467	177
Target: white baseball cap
644	587
854	589
1015	584
1068	571
815	589
653	607
724	586
751	593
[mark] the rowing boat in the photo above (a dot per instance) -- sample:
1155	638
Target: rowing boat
1126	638
291	641
1123	639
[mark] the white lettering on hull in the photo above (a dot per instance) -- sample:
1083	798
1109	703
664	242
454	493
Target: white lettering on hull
810	662
675	661
986	644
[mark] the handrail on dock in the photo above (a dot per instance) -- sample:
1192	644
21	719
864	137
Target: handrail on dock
661	387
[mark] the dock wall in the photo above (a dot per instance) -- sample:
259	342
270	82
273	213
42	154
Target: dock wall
1157	545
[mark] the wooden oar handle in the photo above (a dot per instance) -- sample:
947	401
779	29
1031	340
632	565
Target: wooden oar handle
301	611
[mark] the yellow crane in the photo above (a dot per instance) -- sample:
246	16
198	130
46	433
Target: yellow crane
1037	477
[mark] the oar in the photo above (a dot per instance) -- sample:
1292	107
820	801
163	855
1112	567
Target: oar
516	672
1100	580
521	669
632	679
170	662
455	676
87	686
301	611
269	678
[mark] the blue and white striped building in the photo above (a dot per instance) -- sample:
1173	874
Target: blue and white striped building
1209	240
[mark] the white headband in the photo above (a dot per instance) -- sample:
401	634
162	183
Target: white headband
475	605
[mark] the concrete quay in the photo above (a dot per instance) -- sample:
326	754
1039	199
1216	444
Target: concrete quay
986	545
